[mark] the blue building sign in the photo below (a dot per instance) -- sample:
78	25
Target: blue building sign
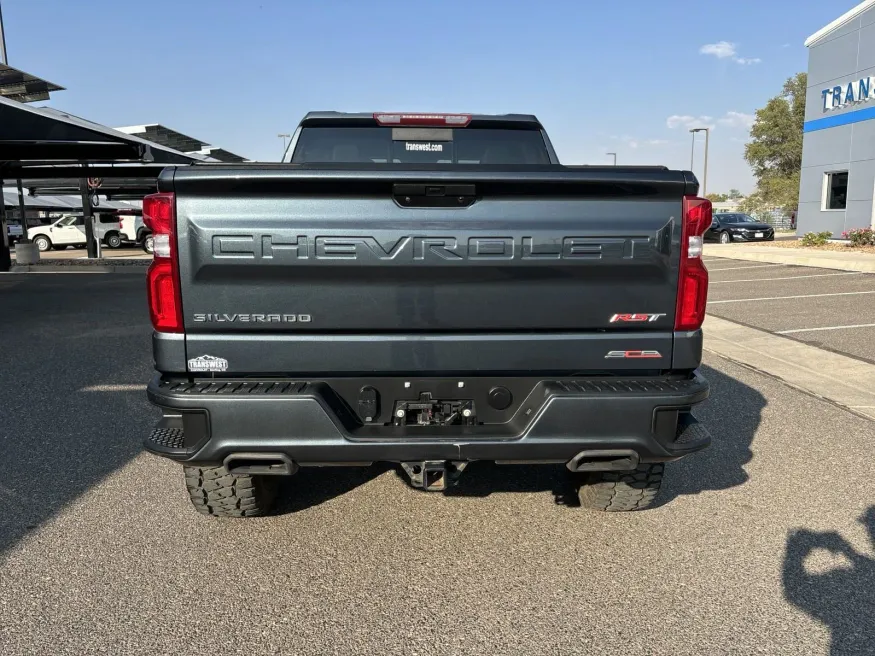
841	96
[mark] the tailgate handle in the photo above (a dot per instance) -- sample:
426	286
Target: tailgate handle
434	195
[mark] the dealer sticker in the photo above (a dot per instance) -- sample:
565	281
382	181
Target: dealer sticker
207	363
424	147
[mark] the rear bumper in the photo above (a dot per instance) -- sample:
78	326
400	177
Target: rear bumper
308	423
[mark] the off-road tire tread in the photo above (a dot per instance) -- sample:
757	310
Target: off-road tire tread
216	492
622	491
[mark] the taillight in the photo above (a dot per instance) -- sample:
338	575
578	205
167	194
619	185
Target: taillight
165	300
693	276
432	120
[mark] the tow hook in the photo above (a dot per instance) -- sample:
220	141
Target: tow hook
434	475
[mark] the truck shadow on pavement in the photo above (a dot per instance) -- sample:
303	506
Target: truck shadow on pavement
732	415
840	594
76	353
312	486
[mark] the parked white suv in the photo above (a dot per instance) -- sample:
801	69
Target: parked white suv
69	230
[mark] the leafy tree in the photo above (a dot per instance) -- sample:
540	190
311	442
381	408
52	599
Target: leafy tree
717	198
775	150
735	194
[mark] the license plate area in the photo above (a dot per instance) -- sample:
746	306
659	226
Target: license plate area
758	235
427	411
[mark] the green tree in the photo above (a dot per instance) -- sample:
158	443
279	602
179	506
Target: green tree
717	198
775	150
735	194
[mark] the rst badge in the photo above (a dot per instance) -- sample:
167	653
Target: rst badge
636	318
632	355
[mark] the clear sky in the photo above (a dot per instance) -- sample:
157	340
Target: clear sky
628	77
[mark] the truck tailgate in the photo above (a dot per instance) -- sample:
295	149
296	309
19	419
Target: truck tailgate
290	269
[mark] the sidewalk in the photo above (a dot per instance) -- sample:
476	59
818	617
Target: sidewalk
796	256
845	381
84	265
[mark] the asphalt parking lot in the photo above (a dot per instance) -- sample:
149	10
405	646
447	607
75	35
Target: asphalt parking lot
830	309
761	544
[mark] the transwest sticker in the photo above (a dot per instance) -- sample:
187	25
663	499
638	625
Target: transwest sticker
424	147
208	363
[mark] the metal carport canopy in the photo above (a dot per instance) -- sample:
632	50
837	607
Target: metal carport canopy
30	134
59	203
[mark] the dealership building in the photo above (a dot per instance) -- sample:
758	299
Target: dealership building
838	155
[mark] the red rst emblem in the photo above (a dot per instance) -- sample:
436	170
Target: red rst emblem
635	318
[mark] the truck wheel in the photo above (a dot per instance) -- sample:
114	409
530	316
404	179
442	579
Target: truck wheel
216	492
114	240
149	244
621	491
43	243
725	238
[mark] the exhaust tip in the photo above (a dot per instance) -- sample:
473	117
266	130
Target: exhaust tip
260	464
604	460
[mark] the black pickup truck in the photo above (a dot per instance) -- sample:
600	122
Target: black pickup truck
427	290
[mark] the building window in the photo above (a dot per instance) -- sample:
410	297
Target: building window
835	192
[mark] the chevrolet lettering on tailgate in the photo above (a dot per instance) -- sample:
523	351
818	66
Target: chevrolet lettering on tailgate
289	248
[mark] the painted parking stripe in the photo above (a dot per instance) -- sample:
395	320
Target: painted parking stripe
811	330
133	387
817	275
756	266
781	298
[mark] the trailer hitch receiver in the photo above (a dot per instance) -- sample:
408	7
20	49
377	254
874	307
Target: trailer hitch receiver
434	475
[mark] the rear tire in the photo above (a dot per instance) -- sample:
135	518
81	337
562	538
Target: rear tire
43	243
149	244
216	492
114	240
622	491
725	238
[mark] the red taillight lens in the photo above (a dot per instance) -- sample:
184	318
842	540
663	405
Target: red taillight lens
164	308
165	300
158	213
433	120
693	276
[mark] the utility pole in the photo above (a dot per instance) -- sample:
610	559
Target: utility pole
707	132
5	254
284	136
85	194
3	59
615	157
693	150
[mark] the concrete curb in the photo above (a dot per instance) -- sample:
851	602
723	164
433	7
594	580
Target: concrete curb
793	256
91	268
842	380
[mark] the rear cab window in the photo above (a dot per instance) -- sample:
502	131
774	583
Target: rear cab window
415	145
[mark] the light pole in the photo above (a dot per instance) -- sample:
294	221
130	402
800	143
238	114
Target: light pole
615	157
707	132
2	40
284	136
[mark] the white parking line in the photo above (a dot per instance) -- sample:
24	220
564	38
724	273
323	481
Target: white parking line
756	266
809	330
817	275
132	387
781	298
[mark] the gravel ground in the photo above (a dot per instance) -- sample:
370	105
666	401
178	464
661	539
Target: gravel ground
759	545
